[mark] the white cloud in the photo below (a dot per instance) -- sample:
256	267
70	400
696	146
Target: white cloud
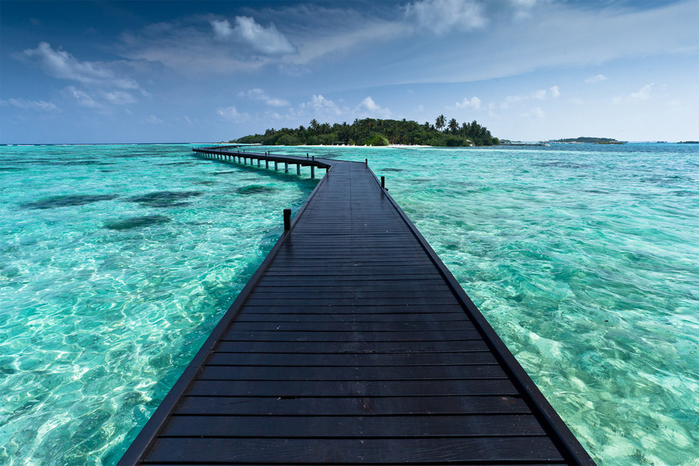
524	3
596	79
189	46
320	103
369	108
327	110
442	16
275	102
540	94
98	99
265	40
36	105
535	112
491	109
321	32
152	119
61	64
187	49
259	94
232	114
82	97
474	102
222	28
642	94
119	97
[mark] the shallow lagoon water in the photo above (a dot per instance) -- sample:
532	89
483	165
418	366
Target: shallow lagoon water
116	262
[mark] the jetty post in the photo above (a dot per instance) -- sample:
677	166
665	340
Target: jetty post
287	219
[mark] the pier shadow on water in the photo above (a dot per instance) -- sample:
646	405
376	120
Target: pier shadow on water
165	198
138	222
67	201
255	189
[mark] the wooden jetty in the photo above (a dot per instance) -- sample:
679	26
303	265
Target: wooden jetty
352	344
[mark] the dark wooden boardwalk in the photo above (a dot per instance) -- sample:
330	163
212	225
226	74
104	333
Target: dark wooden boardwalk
353	344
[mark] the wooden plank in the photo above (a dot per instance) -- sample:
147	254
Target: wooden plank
417	426
402	276
451	463
364	406
354	451
389	280
352	347
349	326
351	336
351	360
408	273
359	309
269	286
315	389
309	319
376	295
349	373
327	300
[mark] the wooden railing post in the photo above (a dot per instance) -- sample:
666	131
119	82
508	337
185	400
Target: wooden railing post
287	219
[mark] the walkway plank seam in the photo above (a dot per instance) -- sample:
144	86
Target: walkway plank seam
352	344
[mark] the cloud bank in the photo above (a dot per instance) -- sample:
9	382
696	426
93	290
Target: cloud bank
36	105
61	64
259	94
264	40
442	16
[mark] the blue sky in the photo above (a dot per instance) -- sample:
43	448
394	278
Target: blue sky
73	72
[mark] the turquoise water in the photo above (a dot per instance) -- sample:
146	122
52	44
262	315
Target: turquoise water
117	260
115	264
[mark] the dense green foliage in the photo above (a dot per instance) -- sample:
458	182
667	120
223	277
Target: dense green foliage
373	132
589	140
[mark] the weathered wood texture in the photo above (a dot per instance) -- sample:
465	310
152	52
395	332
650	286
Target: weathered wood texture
352	344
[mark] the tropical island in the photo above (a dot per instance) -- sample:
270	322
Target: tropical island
375	132
588	140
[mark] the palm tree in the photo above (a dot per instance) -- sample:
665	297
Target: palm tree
439	123
453	125
314	125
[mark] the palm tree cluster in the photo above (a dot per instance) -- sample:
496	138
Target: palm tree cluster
472	131
375	132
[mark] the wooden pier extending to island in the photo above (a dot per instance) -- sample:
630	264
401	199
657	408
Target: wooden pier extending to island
352	344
